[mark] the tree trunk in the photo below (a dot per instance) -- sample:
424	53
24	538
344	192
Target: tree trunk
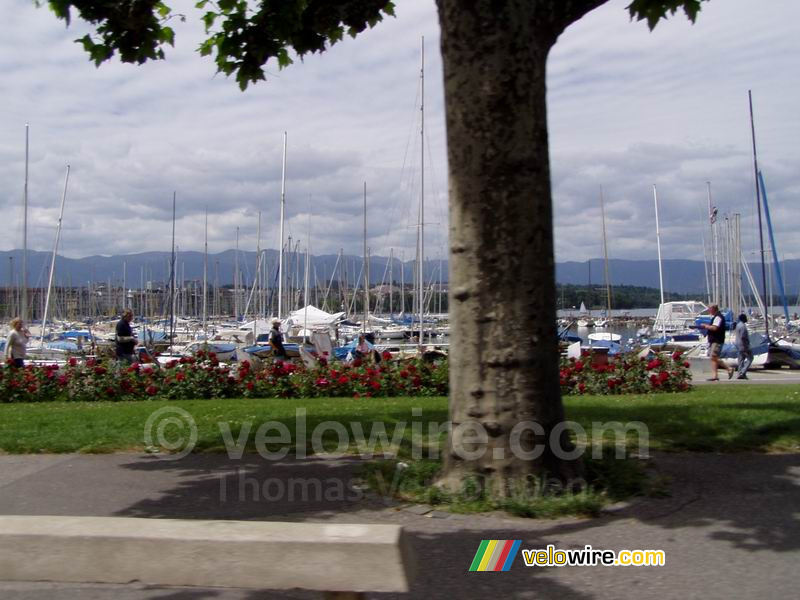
504	360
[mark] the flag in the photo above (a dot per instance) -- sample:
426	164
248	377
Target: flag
713	215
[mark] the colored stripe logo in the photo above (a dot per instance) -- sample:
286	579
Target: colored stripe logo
495	555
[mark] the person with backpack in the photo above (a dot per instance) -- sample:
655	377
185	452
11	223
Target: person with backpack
716	337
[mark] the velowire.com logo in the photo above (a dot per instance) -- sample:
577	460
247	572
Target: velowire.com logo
495	555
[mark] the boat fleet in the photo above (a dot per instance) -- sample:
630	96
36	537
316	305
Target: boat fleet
677	326
307	329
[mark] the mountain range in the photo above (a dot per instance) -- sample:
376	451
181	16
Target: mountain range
680	276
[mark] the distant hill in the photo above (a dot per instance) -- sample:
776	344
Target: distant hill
680	276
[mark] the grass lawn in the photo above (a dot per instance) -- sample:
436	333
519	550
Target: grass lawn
708	418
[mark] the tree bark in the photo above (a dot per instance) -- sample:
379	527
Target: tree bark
504	360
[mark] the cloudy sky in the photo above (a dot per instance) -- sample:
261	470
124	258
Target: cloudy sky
627	108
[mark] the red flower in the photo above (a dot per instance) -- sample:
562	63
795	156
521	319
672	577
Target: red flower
686	364
375	385
99	370
663	376
581	387
357	362
73	361
180	376
342	380
250	385
322	382
386	355
90	362
578	366
654	364
151	390
403	373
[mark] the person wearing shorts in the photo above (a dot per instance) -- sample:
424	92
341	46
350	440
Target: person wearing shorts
716	337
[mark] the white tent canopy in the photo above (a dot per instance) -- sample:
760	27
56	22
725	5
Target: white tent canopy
260	325
312	317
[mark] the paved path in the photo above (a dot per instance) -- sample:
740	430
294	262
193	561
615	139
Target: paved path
756	376
731	528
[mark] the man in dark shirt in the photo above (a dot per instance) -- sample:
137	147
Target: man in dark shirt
276	340
716	338
125	340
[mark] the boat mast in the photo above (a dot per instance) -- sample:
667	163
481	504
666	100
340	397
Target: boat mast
712	217
172	279
53	260
280	242
366	266
236	278
660	270
776	262
605	256
257	283
24	301
421	269
205	278
758	209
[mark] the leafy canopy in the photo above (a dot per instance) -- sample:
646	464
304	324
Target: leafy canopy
243	35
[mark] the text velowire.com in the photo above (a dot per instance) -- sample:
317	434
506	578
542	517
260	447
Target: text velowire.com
589	557
170	433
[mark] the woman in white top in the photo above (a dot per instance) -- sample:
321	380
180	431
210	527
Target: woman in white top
17	343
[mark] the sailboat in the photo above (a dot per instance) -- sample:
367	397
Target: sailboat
51	352
585	317
604	320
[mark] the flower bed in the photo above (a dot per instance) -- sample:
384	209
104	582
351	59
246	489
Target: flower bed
203	377
625	374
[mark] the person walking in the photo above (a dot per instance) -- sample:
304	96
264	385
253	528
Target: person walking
742	339
17	343
716	337
276	340
124	339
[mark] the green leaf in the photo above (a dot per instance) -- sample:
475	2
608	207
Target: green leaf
207	47
87	42
163	10
284	60
226	6
208	19
167	35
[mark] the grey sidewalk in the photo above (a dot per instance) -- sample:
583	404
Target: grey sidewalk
700	375
729	530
